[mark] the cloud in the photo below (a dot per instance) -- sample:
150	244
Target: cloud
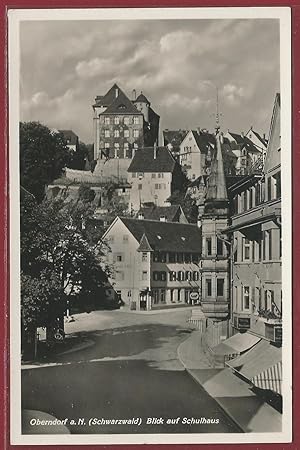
176	63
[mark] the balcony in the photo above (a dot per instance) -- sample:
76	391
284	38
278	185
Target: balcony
273	332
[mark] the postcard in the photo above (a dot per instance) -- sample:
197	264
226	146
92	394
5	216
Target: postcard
150	225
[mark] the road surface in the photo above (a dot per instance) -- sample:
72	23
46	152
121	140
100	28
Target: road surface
130	373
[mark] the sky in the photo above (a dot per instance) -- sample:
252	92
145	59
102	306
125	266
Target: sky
177	64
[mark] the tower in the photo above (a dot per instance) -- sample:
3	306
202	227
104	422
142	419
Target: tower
143	105
215	263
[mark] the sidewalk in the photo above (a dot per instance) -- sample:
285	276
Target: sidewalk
234	395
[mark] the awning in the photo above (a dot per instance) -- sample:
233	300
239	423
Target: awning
262	365
236	344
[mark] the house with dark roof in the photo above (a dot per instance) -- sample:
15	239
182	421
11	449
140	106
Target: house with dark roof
247	152
173	139
154	175
122	125
195	153
71	139
173	213
156	264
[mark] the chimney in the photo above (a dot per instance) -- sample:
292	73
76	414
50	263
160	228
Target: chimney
242	134
155	150
198	130
133	94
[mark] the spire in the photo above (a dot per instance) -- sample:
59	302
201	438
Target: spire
216	197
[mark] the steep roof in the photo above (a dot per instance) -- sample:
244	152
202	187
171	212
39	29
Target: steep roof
69	136
141	99
144	161
244	142
174	137
203	140
165	236
108	98
216	186
262	140
121	105
156	212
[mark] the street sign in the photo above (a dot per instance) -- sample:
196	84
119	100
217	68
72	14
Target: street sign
194	296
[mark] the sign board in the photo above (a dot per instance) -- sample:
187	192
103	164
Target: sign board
194	296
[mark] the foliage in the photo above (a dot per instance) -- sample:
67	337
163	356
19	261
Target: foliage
57	257
85	193
78	158
43	155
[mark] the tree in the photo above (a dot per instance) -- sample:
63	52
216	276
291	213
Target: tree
43	155
58	261
78	158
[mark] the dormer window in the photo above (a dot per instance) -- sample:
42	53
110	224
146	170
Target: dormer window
158	237
121	107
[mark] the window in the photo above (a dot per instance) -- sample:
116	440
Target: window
133	175
245	201
119	258
106	145
188	275
117	120
277	178
157	186
195	258
162	257
144	257
155	256
270	245
208	287
172	275
125	238
116	133
187	258
220	248
140	187
269	187
163	276
172	257
195	276
135	133
208	247
179	257
246	249
136	120
126	133
155	276
129	294
106	120
220	287
126	120
153	175
155	296
258	297
266	300
246	298
107	133
180	275
250	198
144	275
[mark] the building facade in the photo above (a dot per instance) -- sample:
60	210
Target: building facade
246	151
154	175
156	264
122	125
257	299
195	153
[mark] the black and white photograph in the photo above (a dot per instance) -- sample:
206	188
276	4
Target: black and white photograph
150	215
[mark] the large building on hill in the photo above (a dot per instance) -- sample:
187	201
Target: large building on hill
122	125
154	176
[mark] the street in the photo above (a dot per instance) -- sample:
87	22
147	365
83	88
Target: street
130	370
